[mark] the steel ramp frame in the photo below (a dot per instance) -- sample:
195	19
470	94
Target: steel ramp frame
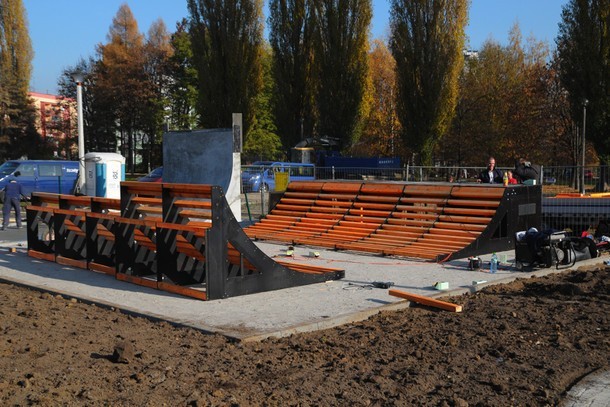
213	261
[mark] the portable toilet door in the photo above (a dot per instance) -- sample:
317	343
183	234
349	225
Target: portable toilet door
104	173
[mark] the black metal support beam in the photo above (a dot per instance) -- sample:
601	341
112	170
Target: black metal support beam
520	209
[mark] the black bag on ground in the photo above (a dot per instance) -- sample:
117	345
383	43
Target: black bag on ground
583	248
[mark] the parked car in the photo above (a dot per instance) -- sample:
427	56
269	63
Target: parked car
155	175
54	176
260	176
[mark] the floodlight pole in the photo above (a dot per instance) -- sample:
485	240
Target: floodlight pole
79	78
584	127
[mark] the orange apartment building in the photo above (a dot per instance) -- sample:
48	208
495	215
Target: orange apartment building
55	121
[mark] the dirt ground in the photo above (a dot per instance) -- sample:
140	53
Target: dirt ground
525	343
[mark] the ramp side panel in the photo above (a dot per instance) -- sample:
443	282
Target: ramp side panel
519	209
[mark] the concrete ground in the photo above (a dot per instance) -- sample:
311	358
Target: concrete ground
283	312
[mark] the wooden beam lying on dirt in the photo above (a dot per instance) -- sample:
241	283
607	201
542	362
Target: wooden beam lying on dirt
420	299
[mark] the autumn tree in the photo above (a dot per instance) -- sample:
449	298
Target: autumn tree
122	82
510	106
226	36
291	38
583	51
341	66
380	136
505	98
427	39
18	134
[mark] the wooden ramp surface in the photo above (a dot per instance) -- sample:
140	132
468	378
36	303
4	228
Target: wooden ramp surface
427	221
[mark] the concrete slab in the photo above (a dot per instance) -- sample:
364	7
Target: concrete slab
592	391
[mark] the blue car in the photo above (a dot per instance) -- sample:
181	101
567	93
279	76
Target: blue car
51	176
155	175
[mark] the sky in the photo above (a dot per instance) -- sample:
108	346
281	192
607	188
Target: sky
64	31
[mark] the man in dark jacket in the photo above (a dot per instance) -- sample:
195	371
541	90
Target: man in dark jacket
524	170
491	175
12	198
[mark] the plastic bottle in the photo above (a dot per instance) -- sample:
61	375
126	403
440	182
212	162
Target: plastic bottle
493	263
505	179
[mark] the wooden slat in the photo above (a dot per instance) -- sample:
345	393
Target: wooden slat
192	204
40	255
197	214
430	302
66	261
143	200
184	189
102	268
136	280
181	290
106	203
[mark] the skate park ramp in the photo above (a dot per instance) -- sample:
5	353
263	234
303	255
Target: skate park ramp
204	157
432	221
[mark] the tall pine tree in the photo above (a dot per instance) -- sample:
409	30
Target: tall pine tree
341	63
290	36
427	40
226	36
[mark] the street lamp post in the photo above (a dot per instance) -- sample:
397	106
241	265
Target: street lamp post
584	127
79	77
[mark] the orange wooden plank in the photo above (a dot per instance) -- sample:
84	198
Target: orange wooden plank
66	261
305	186
342	187
102	268
177	188
382	189
184	203
40	255
136	280
197	214
145	200
107	203
430	302
186	291
194	227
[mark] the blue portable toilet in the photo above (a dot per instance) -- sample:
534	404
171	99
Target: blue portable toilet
103	174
